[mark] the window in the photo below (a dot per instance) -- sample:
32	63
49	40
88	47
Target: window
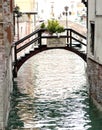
92	30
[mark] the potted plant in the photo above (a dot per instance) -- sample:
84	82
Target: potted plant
53	27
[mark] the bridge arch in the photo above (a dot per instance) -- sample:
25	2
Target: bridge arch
44	48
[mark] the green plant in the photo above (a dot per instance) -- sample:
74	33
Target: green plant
59	29
42	25
53	26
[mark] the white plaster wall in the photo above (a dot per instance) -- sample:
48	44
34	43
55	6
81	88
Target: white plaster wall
98	40
97	19
91	17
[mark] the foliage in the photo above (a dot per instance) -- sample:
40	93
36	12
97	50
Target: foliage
42	25
17	11
53	26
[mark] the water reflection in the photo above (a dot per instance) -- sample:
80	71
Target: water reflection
56	80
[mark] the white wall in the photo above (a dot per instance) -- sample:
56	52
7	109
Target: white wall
93	11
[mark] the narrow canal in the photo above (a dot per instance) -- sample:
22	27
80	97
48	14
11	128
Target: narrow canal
56	81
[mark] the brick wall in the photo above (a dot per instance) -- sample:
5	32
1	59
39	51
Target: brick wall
6	36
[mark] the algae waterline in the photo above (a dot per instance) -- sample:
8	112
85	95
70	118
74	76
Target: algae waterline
17	106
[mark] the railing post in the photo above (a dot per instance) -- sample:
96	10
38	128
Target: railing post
70	37
15	54
67	36
15	62
39	41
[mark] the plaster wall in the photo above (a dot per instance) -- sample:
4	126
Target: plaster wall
25	5
94	60
93	17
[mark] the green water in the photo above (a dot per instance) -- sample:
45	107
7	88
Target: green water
56	82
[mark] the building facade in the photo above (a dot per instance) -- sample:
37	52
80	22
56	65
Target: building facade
94	50
55	10
25	24
6	38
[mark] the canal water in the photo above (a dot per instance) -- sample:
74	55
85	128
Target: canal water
56	82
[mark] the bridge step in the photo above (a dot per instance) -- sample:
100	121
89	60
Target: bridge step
83	52
26	54
76	45
78	48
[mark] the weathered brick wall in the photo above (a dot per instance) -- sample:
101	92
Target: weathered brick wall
94	71
6	35
1	66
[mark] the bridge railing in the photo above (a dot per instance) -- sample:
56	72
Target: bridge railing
24	43
70	35
74	35
34	40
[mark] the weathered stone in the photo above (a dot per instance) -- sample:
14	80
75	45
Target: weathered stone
94	71
6	32
1	18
